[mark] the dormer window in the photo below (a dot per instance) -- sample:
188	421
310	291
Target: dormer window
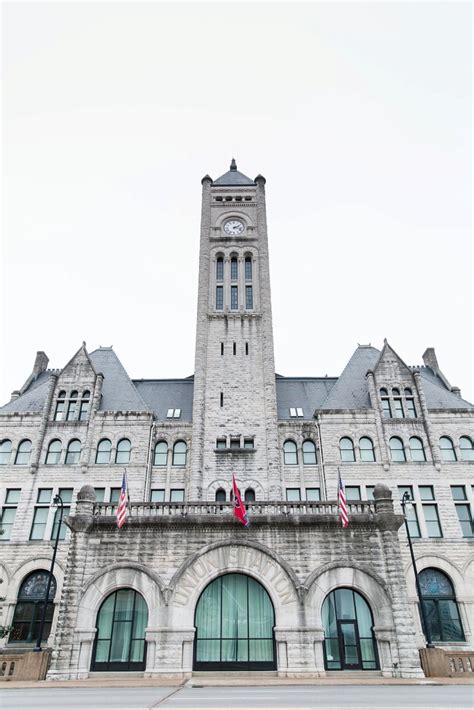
296	412
173	414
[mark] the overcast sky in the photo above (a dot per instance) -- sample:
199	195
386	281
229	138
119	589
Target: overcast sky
358	115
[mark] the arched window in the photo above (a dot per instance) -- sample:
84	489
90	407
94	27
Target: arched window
53	454
447	449
60	406
220	495
122	455
346	448
349	642
179	453
29	608
408	392
248	268
395	392
84	409
467	448
219	268
417	449
397	451
234	269
249	496
309	452
383	392
73	452
366	447
72	405
290	456
120	640
234	623
441	609
104	448
23	453
161	454
5	452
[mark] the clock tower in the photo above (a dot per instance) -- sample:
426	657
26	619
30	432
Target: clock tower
234	407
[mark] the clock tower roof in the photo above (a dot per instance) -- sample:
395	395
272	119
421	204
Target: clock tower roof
233	177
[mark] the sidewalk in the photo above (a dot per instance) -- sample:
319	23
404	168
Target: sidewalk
219	681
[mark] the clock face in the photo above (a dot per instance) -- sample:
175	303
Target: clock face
233	227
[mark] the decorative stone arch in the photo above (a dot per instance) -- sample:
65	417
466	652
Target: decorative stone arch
369	585
439	562
223	557
234	211
343	574
226	485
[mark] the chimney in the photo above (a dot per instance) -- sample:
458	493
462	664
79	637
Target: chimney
41	362
14	395
430	359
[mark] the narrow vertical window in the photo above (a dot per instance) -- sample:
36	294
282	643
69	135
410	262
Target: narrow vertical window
220	269
234	348
222	348
248	268
8	511
248	297
246	348
60	406
234	269
234	298
219	298
222	399
84	409
71	409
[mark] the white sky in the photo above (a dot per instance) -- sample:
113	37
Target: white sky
358	115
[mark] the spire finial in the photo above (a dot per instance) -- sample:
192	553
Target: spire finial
233	164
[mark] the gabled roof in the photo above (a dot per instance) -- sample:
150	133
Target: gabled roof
350	390
233	177
118	390
436	394
161	395
305	392
33	399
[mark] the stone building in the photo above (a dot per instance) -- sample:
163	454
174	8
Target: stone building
183	586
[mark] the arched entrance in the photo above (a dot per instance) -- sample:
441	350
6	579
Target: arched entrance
120	639
349	642
234	626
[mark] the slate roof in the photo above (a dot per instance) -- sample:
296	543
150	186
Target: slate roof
233	177
350	390
161	395
305	392
436	394
118	391
33	399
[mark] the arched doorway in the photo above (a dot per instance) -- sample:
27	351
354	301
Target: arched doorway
29	608
234	626
120	639
349	642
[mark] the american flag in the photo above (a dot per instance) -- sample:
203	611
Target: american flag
343	512
122	506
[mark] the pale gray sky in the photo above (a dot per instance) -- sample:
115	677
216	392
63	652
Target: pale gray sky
358	115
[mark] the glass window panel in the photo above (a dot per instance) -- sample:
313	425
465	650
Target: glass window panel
234	269
386	409
458	492
44	495
122	454
23	453
293	494
353	493
248	443
158	495
71	410
346	448
208	612
103	451
54	452
124	605
84	410
370	492
106	618
179	453
447	449
40	518
121	638
366	449
465	520
248	269
309	452
290	456
220	495
161	454
243	650
411	411
398	408
313	494
229	650
367	652
220	269
234	606
234	298
99	494
329	616
332	654
6	524
434	583
261	617
115	495
219	298
426	492
208	651
467	448
59	412
73	452
364	617
5	452
102	651
249	496
432	521
248	297
396	450
416	449
13	495
431	615
450	622
63	530
177	495
137	650
261	650
345	604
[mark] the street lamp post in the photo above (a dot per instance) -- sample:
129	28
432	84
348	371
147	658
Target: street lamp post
56	501
406	500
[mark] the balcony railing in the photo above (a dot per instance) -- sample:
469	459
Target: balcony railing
257	509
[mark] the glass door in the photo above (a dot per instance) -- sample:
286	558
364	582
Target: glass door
350	647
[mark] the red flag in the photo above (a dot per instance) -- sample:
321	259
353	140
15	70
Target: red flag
343	511
239	508
122	506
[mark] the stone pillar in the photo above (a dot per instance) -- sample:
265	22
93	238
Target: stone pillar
403	651
95	402
69	659
378	418
427	421
169	652
36	453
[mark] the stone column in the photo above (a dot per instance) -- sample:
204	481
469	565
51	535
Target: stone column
36	453
404	651
378	418
427	421
69	660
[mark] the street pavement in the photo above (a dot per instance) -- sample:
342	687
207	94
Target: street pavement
400	697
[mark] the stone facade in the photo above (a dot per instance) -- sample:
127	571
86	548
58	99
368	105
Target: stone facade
282	438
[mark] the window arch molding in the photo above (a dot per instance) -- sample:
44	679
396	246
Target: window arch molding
123	451
180	453
73	452
160	453
448	452
366	449
397	449
290	453
104	451
53	453
346	449
23	452
310	457
417	449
